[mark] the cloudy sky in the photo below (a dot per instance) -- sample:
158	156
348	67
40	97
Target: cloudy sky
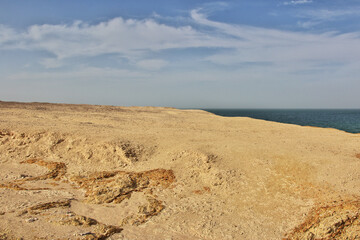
182	53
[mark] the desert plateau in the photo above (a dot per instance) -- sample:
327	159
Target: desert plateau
107	172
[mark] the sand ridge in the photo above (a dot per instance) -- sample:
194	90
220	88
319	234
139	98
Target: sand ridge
97	172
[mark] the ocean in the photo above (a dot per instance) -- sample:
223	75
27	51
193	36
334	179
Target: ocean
343	119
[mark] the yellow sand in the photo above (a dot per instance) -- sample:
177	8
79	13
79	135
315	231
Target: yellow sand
92	172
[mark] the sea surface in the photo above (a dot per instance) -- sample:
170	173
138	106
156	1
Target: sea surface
347	119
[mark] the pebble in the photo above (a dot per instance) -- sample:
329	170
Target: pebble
22	176
29	220
70	214
86	233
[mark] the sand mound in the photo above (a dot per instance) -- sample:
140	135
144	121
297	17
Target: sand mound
51	210
100	187
55	145
114	187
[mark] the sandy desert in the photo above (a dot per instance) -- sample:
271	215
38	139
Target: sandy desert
106	172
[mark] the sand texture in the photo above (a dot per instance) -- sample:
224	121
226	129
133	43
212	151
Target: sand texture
104	172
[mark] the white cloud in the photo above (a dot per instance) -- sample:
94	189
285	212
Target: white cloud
275	46
285	53
114	36
308	24
255	35
297	2
7	35
132	38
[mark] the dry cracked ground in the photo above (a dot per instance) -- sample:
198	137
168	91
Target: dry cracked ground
104	172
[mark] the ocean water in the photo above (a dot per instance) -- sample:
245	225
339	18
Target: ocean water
346	119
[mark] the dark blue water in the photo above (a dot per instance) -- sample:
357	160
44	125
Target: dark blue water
347	120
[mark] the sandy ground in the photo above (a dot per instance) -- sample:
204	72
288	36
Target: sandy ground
104	172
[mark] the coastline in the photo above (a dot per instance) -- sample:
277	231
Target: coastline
342	119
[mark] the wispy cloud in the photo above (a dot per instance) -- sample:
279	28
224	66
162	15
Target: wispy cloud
319	16
152	64
297	2
288	55
51	63
81	73
326	14
211	7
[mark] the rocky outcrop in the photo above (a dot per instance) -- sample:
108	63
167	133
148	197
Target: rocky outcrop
337	220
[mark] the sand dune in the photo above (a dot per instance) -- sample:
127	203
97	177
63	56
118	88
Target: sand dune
98	172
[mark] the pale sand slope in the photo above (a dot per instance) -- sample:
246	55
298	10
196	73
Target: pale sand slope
212	177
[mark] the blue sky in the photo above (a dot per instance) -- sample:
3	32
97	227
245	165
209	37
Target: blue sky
182	53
